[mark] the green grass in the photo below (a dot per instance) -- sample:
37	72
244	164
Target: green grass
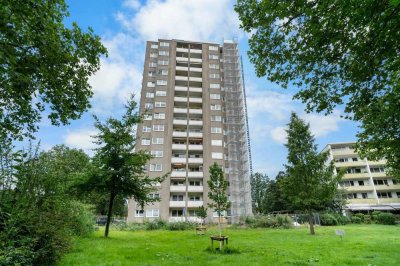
362	245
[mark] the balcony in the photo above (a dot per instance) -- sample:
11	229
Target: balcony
180	99
195	100
182	68
195	79
195	174
178	160
194	89
184	50
180	110
178	173
358	176
194	204
176	219
196	51
195	69
343	152
195	111
193	147
185	78
182	59
387	187
350	164
359	189
195	60
195	122
195	160
379	174
195	134
179	88
177	188
179	147
176	204
179	134
179	122
195	188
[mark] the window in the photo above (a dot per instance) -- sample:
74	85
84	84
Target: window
159	116
395	181
154	195
214	76
215	96
213	48
364	195
216	130
154	46
163	53
148	105
164	44
176	213
384	194
194	198
215	107
381	182
216	118
214	66
155	167
213	56
216	155
163	72
145	141
192	213
161	93
152	213
177	197
147	117
139	213
157	154
152	64
152	73
177	183
352	196
195	183
216	142
153	55
163	62
161	82
158	140
161	104
146	129
377	169
158	127
348	183
151	84
149	95
398	194
361	183
214	86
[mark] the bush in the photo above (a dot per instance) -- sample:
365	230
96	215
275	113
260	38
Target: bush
356	220
367	219
80	219
375	215
269	221
180	226
155	224
359	215
386	218
284	221
328	219
341	219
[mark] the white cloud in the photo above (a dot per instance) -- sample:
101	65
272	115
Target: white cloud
321	125
206	20
81	139
133	4
279	134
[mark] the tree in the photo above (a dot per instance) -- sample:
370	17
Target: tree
258	183
336	53
217	194
202	213
275	200
43	65
119	169
310	183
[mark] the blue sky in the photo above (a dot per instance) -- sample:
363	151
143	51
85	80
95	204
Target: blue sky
125	25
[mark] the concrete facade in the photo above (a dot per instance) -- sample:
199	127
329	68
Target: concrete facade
366	182
184	128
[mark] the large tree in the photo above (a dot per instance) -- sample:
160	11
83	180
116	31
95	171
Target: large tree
119	169
258	183
337	53
309	183
43	65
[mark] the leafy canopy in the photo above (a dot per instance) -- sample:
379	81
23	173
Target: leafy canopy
43	65
337	53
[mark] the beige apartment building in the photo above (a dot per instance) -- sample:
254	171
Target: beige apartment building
193	101
367	184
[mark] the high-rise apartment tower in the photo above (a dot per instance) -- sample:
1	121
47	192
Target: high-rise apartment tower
194	107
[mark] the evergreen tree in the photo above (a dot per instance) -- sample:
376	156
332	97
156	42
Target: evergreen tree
310	183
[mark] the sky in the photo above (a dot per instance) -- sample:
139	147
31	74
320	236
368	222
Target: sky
124	27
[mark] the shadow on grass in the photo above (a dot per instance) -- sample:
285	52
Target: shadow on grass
225	250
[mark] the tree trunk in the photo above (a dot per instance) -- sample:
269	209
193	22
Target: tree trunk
219	225
109	213
311	222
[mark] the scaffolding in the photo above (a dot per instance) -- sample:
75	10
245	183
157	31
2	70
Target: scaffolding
237	139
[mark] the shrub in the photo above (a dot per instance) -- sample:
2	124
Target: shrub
269	221
328	219
341	219
375	215
356	220
367	219
81	219
155	224
360	215
284	221
386	218
180	226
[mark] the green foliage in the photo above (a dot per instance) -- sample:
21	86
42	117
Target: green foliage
180	226
386	218
356	220
217	194
118	168
336	53
328	219
360	215
258	183
269	221
155	224
38	216
43	65
309	183
201	212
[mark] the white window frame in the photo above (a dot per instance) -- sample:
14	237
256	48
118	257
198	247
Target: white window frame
163	52
149	105
214	76
151	213
159	116
163	62
217	155
153	55
157	141
158	128
139	213
213	48
216	118
164	44
146	129
213	57
147	117
161	82
215	86
216	130
145	142
213	66
154	46
163	72
160	104
157	154
155	167
216	142
215	96
215	107
149	95
153	64
161	93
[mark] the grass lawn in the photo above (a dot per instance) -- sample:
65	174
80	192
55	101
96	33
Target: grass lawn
362	245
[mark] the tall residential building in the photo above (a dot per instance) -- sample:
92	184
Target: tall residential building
194	107
366	182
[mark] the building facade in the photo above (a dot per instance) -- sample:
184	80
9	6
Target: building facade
193	101
366	182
